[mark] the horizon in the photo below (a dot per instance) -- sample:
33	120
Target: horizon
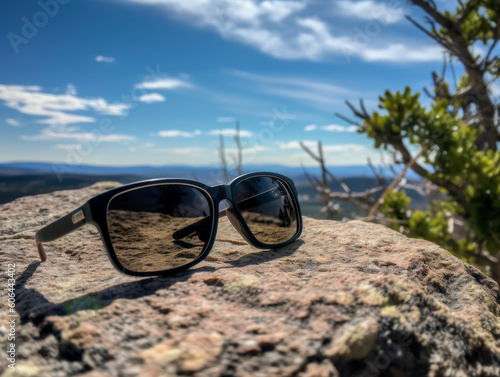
164	91
211	165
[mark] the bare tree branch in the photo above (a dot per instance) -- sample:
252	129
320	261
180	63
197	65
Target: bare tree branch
222	158
394	183
360	114
237	140
380	179
429	94
453	40
348	120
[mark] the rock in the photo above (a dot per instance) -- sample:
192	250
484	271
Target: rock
347	299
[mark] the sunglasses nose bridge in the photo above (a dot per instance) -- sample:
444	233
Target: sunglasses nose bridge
222	192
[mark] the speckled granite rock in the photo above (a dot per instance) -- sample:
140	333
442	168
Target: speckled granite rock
347	299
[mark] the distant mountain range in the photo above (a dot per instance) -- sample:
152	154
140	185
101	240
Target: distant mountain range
19	179
180	171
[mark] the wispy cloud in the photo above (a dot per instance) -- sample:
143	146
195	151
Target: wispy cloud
178	133
295	144
167	83
338	154
353	148
186	150
386	13
288	29
12	122
334	128
331	128
49	134
230	132
55	109
349	148
104	59
403	53
218	12
312	92
152	97
343	154
71	89
293	82
69	146
337	128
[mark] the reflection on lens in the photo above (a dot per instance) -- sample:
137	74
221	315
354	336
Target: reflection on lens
142	222
268	209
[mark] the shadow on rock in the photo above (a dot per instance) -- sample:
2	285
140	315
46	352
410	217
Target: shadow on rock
267	255
34	307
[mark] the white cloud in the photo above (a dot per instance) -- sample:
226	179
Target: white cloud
185	151
249	152
191	154
151	97
341	154
104	59
54	109
219	12
349	148
319	94
225	119
164	83
12	122
371	10
71	89
178	133
295	144
293	83
268	26
331	128
69	146
286	29
230	132
337	148
403	54
50	134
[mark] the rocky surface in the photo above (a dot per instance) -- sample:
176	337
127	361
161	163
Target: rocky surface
347	299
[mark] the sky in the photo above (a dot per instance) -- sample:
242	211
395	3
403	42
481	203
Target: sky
156	82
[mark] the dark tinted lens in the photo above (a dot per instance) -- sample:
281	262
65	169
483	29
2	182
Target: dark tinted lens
268	209
142	223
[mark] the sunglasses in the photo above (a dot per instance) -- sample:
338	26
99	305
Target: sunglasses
162	226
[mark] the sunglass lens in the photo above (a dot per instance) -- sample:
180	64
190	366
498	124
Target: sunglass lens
142	223
268	208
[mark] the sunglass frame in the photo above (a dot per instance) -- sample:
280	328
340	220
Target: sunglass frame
95	212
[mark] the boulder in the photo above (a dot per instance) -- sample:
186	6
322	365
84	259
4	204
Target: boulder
346	299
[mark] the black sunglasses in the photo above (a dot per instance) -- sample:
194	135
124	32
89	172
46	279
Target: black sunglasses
162	226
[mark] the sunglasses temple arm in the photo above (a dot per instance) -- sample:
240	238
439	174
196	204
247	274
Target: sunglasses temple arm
184	232
58	228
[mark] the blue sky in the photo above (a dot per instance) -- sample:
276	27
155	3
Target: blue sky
127	82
